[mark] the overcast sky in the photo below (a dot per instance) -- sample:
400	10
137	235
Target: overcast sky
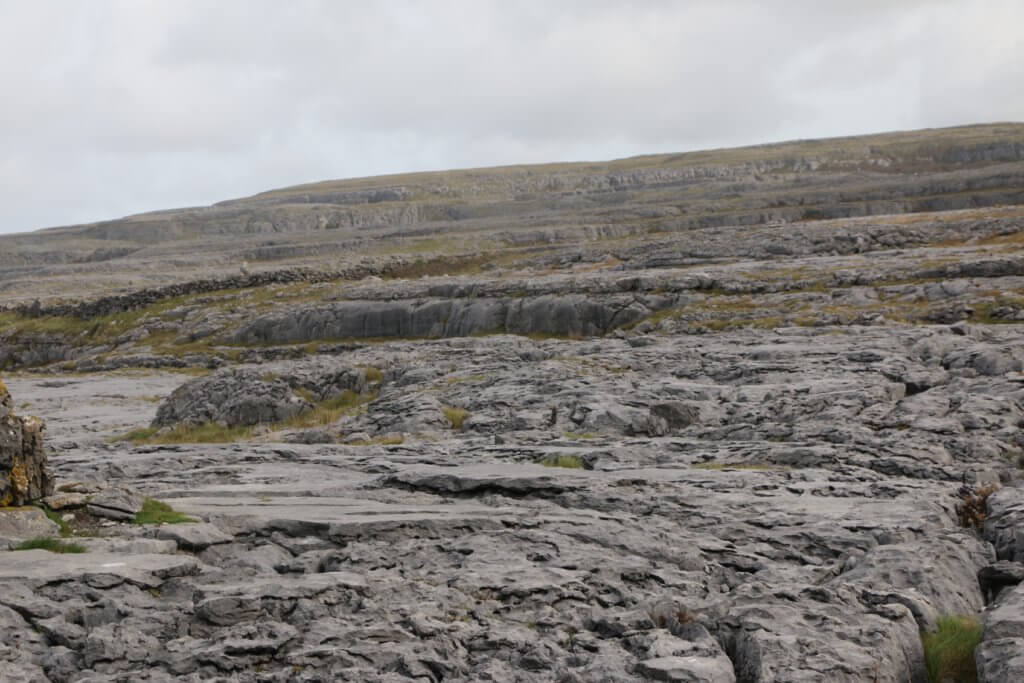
110	108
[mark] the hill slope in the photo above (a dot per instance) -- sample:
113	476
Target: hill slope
470	211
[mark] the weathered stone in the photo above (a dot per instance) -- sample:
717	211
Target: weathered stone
64	501
995	577
193	537
1000	660
117	503
231	398
24	469
690	669
19	524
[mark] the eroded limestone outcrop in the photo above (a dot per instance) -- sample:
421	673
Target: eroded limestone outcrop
24	472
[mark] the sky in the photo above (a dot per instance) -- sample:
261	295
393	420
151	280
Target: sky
109	108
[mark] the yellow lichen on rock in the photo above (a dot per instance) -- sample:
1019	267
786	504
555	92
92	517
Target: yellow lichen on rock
19	480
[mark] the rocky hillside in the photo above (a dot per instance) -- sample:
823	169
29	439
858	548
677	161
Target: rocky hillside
739	416
501	210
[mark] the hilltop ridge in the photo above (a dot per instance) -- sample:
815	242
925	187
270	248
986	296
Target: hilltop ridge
336	223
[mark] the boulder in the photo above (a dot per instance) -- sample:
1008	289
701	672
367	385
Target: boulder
24	471
234	398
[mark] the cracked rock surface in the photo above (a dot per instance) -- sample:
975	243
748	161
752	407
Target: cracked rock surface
747	506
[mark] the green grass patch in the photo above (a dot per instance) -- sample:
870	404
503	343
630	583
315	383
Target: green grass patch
53	545
582	436
983	310
455	416
157	512
572	462
949	651
55	517
208	432
137	436
328	411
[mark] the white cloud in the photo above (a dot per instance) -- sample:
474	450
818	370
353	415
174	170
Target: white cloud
115	107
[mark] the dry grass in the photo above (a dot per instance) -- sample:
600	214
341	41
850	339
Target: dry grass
973	507
327	412
572	462
455	416
323	413
53	545
678	616
208	432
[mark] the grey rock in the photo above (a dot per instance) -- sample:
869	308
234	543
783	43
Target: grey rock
225	611
64	501
690	669
263	558
117	503
193	537
19	524
1005	618
1000	660
231	398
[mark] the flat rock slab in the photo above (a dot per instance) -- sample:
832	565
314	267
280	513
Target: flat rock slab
19	524
121	504
286	587
63	500
340	518
193	537
39	567
506	479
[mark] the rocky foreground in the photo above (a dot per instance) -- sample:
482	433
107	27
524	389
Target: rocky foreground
740	416
778	505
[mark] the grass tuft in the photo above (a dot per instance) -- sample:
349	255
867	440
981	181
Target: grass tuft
56	518
327	412
455	416
54	545
573	462
582	436
323	413
157	512
949	651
